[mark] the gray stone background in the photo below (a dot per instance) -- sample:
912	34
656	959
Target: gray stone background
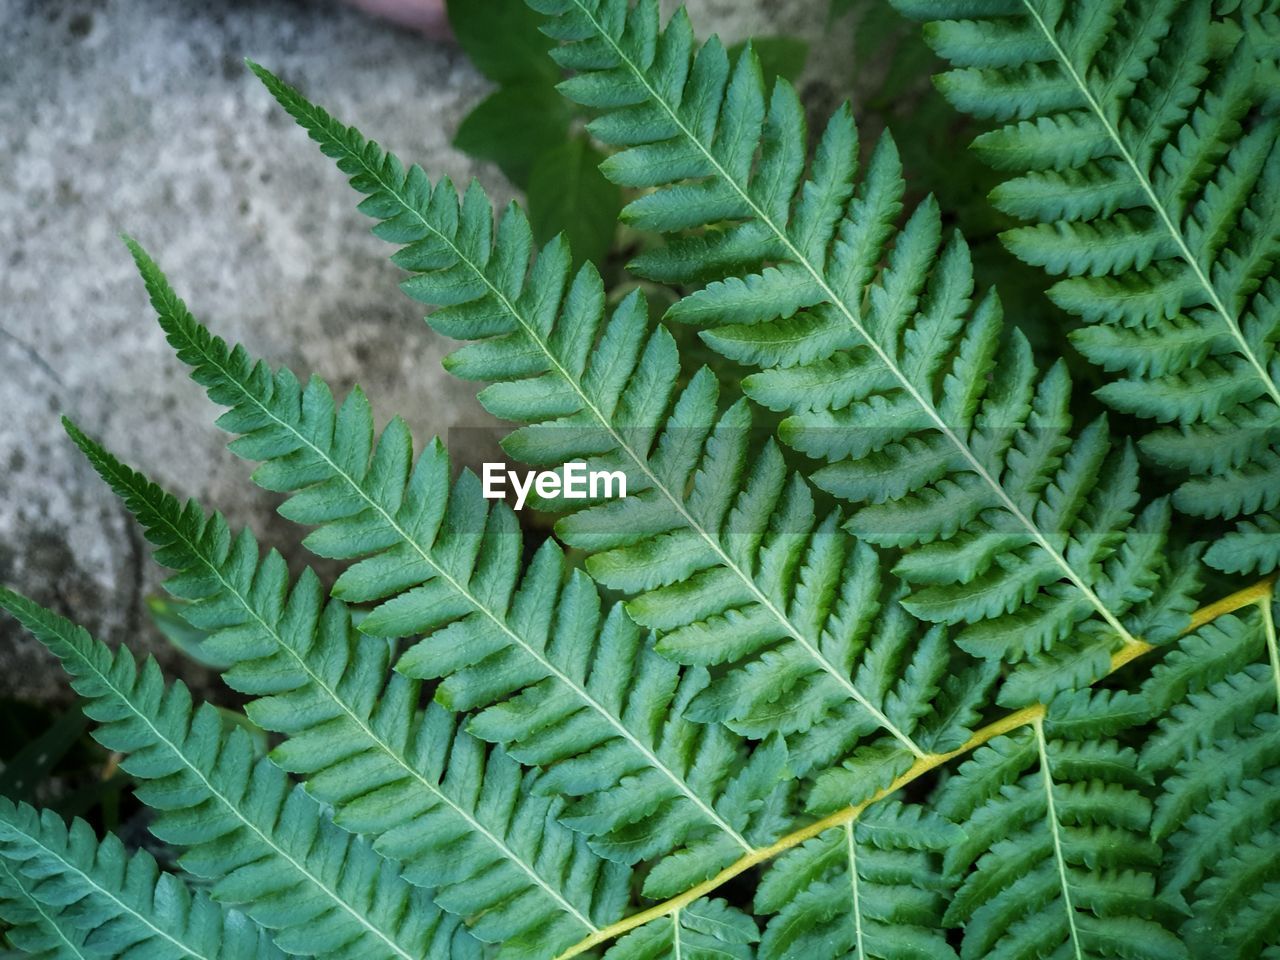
138	116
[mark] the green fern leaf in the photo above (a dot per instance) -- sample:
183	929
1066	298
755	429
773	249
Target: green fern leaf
266	847
496	762
1144	153
738	570
935	425
122	905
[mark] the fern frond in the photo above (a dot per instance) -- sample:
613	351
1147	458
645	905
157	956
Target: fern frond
1216	754
116	904
1251	546
266	846
1054	857
1146	160
496	762
935	424
739	572
39	931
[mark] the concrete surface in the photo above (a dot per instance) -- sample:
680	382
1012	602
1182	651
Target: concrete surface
138	116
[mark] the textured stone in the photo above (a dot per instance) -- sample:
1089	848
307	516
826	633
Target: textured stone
138	116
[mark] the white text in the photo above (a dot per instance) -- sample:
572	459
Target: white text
574	482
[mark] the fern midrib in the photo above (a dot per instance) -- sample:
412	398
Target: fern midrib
1144	182
850	845
370	735
642	464
818	278
500	622
267	839
1051	816
110	895
49	922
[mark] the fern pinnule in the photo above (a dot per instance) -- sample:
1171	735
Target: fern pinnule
936	426
1140	139
96	899
264	844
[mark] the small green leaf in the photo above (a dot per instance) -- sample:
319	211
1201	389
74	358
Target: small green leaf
501	37
513	127
567	193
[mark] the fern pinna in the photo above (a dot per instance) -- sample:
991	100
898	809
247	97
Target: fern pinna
481	752
264	844
67	894
1140	140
